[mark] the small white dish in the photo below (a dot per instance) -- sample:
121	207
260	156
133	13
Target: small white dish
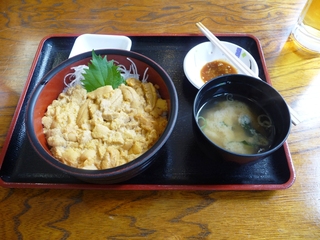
206	52
89	42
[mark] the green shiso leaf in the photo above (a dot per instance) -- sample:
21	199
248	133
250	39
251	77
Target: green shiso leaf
101	72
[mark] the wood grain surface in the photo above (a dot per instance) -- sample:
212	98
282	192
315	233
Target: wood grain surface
292	213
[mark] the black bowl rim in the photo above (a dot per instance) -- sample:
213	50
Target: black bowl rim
112	172
224	79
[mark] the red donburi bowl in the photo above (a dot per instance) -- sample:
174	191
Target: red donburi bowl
52	85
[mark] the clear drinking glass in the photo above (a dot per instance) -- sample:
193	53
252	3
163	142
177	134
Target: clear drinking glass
307	30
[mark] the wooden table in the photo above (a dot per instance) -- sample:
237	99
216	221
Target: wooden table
293	213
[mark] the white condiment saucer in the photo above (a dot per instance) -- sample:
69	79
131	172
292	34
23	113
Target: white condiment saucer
206	52
89	42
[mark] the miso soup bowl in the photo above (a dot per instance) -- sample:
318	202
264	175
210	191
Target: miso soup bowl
52	84
260	93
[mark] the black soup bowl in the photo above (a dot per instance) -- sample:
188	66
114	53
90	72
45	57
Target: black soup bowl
52	85
270	109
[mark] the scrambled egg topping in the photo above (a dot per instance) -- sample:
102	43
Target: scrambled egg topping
107	127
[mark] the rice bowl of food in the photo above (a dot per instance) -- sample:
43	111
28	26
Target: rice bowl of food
101	130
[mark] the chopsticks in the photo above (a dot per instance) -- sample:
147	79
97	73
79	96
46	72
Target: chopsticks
239	64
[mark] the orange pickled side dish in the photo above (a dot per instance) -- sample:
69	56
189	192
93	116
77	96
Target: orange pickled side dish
216	68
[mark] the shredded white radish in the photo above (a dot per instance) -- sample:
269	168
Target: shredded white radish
145	76
75	78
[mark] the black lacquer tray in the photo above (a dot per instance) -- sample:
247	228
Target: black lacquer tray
180	165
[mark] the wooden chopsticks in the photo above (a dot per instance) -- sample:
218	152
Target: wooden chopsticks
239	64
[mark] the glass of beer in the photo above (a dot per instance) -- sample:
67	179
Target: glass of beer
307	30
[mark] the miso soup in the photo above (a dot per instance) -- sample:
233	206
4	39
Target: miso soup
236	124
